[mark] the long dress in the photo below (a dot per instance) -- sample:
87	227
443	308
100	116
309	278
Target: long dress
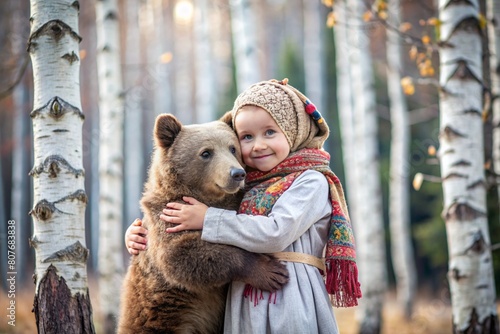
298	222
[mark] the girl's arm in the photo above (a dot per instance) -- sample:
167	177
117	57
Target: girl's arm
135	237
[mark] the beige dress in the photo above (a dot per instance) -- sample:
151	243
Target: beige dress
298	222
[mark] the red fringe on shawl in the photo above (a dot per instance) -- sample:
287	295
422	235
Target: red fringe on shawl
342	282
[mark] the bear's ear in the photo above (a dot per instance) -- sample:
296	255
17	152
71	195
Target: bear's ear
228	119
167	127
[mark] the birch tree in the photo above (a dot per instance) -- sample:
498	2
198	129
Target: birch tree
461	155
493	13
368	221
161	59
111	117
133	114
205	101
399	200
61	303
314	62
345	106
183	58
244	43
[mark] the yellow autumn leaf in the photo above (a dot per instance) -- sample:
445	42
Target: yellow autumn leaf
408	86
433	21
83	54
482	21
367	16
413	52
430	71
330	20
484	115
166	57
487	164
426	39
421	57
327	3
381	5
383	14
431	150
426	69
405	26
418	179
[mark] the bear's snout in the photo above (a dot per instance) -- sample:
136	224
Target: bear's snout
238	174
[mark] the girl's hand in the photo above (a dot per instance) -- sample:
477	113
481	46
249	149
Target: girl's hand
135	237
188	216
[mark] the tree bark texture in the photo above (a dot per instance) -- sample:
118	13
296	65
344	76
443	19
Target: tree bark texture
399	200
461	155
244	31
368	223
111	112
205	96
314	60
493	16
61	293
133	164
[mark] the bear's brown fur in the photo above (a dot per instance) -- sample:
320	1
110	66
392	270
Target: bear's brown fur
179	284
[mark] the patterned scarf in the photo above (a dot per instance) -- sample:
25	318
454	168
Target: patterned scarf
265	189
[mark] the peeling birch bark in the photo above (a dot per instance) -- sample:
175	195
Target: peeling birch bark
461	155
58	178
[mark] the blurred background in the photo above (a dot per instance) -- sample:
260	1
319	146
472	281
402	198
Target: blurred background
181	57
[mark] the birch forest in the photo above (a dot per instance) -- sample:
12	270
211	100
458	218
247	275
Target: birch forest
409	88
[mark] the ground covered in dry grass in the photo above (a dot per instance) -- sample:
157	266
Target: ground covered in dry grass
432	315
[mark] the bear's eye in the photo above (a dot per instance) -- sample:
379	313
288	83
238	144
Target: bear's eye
232	149
206	154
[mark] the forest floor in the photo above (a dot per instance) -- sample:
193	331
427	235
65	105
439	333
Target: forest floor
432	315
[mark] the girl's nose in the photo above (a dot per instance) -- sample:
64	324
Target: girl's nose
259	144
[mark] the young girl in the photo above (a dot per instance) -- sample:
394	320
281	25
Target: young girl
294	207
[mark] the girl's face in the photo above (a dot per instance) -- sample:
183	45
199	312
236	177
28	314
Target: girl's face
263	144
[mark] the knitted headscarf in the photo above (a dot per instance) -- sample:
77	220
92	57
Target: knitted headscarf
296	116
306	132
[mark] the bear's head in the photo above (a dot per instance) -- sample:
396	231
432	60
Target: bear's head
200	160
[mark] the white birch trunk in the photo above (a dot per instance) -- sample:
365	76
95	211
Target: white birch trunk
111	117
369	225
133	164
493	15
220	25
205	98
183	58
314	62
244	41
58	176
461	155
399	201
161	71
345	106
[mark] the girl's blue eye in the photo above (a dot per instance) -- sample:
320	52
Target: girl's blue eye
270	132
246	137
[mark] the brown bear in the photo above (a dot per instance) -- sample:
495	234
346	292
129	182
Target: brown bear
179	283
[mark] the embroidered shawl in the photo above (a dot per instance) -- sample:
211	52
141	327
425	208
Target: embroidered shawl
340	257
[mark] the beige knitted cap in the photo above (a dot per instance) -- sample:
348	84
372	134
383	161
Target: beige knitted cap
296	116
